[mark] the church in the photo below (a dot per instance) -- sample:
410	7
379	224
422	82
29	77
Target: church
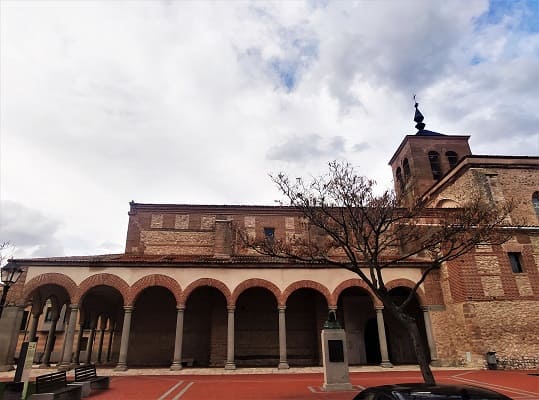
185	294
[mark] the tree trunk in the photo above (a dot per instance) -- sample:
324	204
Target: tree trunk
410	324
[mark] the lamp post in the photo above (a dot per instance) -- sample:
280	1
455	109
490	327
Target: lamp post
11	272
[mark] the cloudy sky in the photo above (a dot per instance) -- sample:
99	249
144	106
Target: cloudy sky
195	102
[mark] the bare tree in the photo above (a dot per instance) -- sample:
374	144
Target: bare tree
347	224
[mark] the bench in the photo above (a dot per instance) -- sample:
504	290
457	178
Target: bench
55	386
86	375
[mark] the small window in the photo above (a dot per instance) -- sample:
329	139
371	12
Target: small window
516	265
269	233
406	168
452	158
398	173
535	202
434	159
48	314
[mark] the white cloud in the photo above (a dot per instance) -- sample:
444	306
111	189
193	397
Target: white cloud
184	102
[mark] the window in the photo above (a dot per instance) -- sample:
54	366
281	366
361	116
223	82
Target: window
535	201
406	168
48	314
398	173
452	158
516	265
269	233
434	159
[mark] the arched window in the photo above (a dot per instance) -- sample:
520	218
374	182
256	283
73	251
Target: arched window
434	159
406	168
535	201
398	174
452	158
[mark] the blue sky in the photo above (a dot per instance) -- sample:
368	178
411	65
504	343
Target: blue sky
197	102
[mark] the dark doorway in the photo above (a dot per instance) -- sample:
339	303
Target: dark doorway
372	342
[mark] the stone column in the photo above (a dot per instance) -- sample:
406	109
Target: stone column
177	362
76	356
90	344
69	336
382	337
109	347
46	361
100	341
124	343
430	337
230	364
283	362
32	331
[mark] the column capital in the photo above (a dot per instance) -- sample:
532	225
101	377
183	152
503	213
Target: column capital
281	308
180	307
332	308
379	308
425	308
129	309
230	308
74	306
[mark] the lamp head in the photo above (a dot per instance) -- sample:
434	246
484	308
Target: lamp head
11	272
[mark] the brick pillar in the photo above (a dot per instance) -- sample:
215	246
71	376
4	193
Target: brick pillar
45	362
283	362
430	337
382	337
69	336
230	364
124	343
177	362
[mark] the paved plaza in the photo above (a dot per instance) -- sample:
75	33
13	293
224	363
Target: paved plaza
295	383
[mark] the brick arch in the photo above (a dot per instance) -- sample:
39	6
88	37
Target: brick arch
214	283
353	283
255	282
407	283
151	281
306	284
106	280
51	278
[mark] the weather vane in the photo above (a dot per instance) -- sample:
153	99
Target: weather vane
418	117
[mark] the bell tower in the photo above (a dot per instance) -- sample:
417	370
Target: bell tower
423	159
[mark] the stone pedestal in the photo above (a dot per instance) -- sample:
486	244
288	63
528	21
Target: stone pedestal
9	332
335	360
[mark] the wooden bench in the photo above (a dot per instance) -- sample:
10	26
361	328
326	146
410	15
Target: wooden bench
86	375
55	386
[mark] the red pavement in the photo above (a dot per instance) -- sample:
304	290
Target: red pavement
517	385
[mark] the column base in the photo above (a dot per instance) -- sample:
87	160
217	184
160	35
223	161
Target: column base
386	364
121	367
337	387
283	365
176	366
230	365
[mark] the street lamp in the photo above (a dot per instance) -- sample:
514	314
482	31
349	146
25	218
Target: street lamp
11	272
